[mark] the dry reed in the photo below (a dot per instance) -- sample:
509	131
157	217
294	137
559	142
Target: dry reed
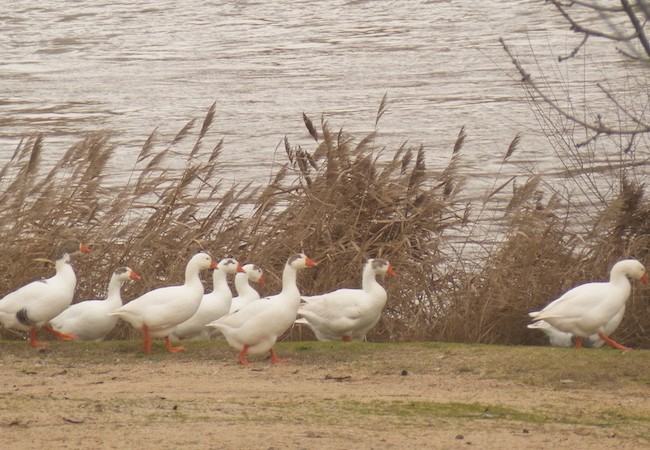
341	202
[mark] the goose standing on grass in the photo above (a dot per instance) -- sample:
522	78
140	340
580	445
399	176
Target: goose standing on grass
348	314
89	320
159	311
587	309
559	338
214	305
245	292
32	306
255	328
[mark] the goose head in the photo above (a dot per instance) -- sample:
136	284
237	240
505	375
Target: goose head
229	266
202	261
69	247
381	266
255	273
300	261
126	273
633	269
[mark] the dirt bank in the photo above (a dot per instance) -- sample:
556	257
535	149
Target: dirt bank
108	395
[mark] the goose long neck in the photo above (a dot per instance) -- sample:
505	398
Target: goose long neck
192	274
241	283
114	288
63	267
369	279
218	279
62	262
619	278
289	276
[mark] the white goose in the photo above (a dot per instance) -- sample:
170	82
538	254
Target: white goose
256	327
157	312
348	314
245	292
35	304
587	309
214	305
89	319
559	338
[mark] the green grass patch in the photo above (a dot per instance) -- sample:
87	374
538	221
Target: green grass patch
535	366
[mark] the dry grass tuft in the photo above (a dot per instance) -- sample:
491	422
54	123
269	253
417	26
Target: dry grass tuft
153	223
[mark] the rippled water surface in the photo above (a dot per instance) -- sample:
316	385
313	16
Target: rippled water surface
70	67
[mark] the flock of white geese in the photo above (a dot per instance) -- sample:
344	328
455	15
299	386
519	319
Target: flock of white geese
589	312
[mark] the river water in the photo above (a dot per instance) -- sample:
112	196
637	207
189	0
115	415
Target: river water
70	67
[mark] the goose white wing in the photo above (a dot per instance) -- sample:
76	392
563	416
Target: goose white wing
343	304
576	301
156	308
237	318
23	296
88	320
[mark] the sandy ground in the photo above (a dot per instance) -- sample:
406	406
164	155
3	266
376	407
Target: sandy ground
118	398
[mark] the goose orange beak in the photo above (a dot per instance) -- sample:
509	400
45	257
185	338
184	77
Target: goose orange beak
644	278
83	248
390	271
240	269
310	262
134	276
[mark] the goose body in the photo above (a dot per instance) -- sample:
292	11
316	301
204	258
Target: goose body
90	320
587	309
245	292
255	328
159	311
559	338
213	305
348	314
33	305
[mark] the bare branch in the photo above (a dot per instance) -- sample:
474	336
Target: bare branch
596	7
620	107
598	127
637	26
575	50
575	26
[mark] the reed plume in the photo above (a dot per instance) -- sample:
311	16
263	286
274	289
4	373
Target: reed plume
341	199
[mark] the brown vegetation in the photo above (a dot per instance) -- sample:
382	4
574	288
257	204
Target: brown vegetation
341	202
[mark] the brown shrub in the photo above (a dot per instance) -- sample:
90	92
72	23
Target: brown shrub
341	202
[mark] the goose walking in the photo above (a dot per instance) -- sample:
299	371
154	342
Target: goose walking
255	328
90	320
159	311
214	305
586	310
33	305
559	338
348	314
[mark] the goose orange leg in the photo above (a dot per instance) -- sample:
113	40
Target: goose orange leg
32	339
171	348
242	356
146	343
579	342
275	359
59	335
613	343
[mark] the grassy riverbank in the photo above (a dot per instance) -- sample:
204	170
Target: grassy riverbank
420	395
